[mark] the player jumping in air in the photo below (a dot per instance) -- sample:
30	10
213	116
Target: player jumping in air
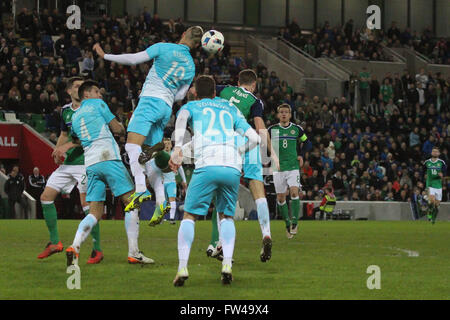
167	81
286	140
435	170
217	169
92	125
252	109
70	173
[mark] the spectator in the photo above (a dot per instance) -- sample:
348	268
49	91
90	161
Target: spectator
14	188
36	185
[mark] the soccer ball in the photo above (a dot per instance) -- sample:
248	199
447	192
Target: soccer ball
212	41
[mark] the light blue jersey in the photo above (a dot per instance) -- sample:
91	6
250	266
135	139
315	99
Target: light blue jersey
215	123
102	156
173	71
90	125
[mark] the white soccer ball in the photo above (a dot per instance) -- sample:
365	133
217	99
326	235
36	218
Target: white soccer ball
212	41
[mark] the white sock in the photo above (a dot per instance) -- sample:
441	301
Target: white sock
132	229
84	228
263	216
137	169
185	239
228	238
173	209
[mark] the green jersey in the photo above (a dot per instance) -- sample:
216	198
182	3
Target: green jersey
74	156
286	142
244	100
433	169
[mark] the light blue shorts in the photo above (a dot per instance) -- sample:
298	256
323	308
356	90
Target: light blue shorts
252	165
209	181
112	173
150	119
170	189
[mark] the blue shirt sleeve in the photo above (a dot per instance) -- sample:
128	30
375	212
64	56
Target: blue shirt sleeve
257	109
106	113
219	89
154	50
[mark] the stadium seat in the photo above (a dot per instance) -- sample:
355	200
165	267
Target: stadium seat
40	126
11	117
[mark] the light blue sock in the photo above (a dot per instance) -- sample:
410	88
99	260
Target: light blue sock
228	237
84	228
185	239
263	216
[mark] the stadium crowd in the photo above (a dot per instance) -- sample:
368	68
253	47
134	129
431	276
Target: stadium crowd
370	153
349	42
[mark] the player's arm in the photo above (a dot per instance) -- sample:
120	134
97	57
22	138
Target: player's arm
183	178
61	150
242	127
176	158
127	58
181	93
302	138
116	127
256	111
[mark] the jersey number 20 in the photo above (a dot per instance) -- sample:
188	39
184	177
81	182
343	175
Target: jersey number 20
210	131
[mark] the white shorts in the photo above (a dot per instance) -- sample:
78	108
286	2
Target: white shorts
66	177
437	193
285	179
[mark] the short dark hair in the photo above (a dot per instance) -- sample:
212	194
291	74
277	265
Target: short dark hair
205	87
87	86
71	80
247	76
435	147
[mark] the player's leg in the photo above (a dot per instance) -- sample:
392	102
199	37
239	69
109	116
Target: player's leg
60	180
437	200
282	206
227	195
253	170
293	182
84	228
121	184
431	205
162	206
198	198
96	254
170	190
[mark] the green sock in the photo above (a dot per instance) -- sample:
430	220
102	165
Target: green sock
95	233
215	229
284	210
51	219
435	213
295	207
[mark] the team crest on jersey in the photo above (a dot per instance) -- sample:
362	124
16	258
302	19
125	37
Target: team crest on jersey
292	131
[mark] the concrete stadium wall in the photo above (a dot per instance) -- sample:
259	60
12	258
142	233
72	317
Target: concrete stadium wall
378	68
381	210
273	62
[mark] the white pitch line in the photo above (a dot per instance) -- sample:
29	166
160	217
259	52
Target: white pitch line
410	253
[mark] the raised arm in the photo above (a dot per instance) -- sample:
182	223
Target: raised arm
126	59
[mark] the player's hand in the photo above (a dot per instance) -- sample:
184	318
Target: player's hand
176	159
184	185
441	174
57	160
98	49
60	151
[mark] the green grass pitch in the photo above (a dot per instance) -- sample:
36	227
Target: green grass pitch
326	260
